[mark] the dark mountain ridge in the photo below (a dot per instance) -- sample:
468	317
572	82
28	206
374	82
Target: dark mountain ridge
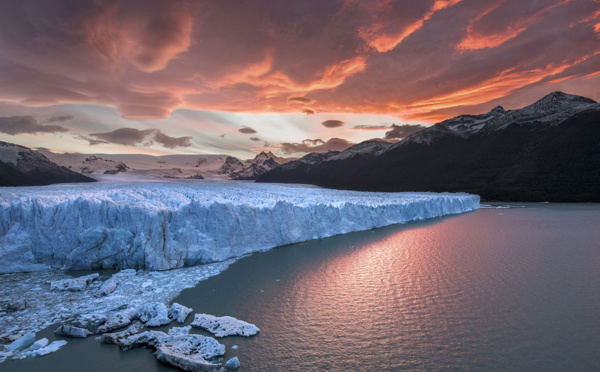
548	151
22	166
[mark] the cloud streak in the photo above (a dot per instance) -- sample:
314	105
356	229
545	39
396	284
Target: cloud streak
14	125
371	127
402	131
315	145
135	137
410	59
61	119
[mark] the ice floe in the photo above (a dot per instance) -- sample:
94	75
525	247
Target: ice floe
190	352
72	331
179	312
224	326
22	342
48	307
233	363
75	284
109	286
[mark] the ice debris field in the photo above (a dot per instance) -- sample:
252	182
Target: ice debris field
123	315
161	226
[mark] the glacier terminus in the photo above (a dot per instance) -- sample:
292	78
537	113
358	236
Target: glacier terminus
167	225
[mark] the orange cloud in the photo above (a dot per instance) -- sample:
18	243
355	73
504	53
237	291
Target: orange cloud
149	41
499	86
475	40
161	39
386	42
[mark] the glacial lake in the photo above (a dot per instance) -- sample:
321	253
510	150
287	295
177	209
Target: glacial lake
496	289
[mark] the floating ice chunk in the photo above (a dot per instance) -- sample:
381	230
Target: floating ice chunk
4	355
74	285
71	331
109	286
154	315
118	320
224	326
186	362
179	331
179	312
39	344
53	347
233	363
149	338
22	342
113	338
234	347
188	352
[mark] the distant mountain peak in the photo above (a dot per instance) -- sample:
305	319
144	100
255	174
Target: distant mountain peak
22	166
560	98
551	110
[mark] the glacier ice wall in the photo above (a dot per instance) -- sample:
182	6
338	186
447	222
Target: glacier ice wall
159	226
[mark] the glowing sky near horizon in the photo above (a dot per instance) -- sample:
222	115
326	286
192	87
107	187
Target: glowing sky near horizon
238	77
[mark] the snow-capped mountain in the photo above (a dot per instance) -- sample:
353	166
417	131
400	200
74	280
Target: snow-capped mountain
22	166
550	110
167	166
253	168
372	147
549	150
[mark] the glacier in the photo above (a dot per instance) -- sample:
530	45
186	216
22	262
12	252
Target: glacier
167	225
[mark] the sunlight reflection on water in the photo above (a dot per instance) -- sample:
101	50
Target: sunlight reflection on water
479	291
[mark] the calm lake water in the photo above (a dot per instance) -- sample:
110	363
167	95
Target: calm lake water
497	289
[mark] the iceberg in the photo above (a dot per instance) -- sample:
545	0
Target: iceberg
184	351
161	226
179	312
72	331
233	363
224	326
22	342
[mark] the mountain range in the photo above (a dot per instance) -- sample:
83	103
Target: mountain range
22	166
547	151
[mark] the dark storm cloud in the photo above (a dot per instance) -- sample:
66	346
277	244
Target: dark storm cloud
247	130
316	145
402	131
308	111
27	124
255	139
133	137
332	123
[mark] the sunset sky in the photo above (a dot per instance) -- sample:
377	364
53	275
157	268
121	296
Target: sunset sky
238	77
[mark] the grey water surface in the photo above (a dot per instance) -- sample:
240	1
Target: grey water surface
496	289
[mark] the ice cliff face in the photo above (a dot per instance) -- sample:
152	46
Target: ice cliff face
159	226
